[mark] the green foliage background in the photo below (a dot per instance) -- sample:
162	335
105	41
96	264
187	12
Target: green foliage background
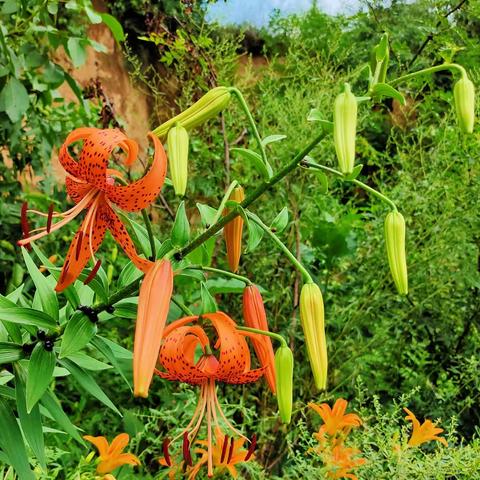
385	352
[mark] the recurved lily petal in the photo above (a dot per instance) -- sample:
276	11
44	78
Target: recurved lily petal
256	317
153	306
66	160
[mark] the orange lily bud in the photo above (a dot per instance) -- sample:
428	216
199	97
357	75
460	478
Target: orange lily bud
153	306
255	317
313	324
233	232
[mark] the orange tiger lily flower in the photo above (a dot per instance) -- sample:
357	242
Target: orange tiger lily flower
228	361
91	185
255	317
111	455
232	232
426	432
335	420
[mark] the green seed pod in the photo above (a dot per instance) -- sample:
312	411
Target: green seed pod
178	158
284	382
464	95
213	102
344	129
395	241
313	324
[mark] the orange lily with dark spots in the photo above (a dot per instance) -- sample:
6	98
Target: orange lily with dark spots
227	361
92	186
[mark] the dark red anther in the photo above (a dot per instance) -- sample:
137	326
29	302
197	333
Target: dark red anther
166	455
50	217
251	448
230	452
186	450
224	448
92	274
79	245
24	224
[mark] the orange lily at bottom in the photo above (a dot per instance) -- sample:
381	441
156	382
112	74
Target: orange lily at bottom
227	361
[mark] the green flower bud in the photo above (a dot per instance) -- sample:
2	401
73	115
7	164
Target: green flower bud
284	382
395	241
178	158
344	129
213	102
464	95
181	228
313	324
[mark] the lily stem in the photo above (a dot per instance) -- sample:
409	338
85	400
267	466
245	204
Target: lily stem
224	201
182	306
306	276
426	71
225	273
369	189
275	336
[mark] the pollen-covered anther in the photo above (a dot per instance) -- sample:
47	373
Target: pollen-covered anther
252	447
186	450
50	218
224	448
166	454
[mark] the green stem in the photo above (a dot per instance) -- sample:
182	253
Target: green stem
243	104
306	276
275	336
371	190
224	201
225	273
426	71
151	238
182	306
258	192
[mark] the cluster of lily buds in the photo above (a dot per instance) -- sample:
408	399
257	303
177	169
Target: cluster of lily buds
233	232
345	128
464	96
313	324
395	242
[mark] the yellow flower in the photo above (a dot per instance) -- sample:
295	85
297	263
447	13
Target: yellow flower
111	456
335	420
423	433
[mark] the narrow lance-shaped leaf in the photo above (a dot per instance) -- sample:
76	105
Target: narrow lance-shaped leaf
28	316
10	352
208	302
40	373
78	332
11	442
181	227
280	221
30	422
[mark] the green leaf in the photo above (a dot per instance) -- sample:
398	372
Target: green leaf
11	442
126	308
47	295
9	7
316	116
106	350
323	179
381	49
181	228
140	233
273	138
28	316
87	382
40	374
355	173
256	159
92	15
10	352
255	235
13	330
114	25
208	302
280	221
30	422
14	99
222	285
89	363
385	90
51	403
207	214
78	332
77	51
128	274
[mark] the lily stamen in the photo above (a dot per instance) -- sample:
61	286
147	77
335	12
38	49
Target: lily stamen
93	273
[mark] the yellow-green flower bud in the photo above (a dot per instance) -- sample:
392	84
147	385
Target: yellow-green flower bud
464	95
213	102
345	128
313	324
177	144
284	382
395	241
